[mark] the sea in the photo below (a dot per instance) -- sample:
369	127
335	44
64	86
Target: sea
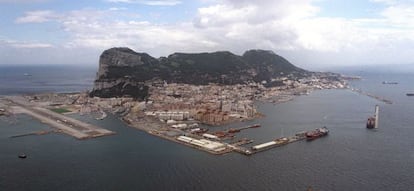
351	157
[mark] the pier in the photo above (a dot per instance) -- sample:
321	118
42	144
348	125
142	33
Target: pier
230	132
272	144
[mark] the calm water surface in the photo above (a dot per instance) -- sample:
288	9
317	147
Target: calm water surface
350	158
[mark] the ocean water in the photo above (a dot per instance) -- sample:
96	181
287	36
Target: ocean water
41	79
351	157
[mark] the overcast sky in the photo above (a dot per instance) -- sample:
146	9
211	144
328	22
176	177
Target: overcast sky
311	34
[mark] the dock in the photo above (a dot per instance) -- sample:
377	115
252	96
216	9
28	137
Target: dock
236	130
291	139
229	133
64	124
215	145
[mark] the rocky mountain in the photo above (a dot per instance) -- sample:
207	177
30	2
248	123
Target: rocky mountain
123	72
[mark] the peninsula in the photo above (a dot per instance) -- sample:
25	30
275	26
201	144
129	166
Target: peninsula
178	97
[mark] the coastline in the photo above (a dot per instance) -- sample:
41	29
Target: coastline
346	113
135	113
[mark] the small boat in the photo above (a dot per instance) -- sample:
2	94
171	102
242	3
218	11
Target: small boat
22	156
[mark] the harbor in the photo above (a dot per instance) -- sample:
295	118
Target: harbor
137	154
218	145
186	132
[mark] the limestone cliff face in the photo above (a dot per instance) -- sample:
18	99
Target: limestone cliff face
123	72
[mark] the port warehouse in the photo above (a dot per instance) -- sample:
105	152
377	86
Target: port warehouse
203	143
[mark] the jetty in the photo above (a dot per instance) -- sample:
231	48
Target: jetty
387	101
272	144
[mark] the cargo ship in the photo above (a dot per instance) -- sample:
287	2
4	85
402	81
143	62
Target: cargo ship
410	94
385	82
319	132
372	122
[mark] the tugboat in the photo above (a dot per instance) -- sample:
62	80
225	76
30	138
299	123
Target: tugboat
372	122
22	156
319	132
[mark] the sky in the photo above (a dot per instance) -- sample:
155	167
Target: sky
309	33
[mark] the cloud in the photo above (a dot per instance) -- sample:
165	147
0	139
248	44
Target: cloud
23	1
32	45
23	44
117	8
149	2
291	27
37	17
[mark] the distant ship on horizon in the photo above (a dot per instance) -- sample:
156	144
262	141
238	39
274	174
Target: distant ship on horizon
386	82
